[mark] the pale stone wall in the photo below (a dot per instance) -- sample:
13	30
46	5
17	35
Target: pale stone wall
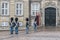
12	13
26	11
12	8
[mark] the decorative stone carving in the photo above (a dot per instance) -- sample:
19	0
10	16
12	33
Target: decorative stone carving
36	0
5	0
58	0
50	3
18	0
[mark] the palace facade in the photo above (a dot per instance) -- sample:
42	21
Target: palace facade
48	11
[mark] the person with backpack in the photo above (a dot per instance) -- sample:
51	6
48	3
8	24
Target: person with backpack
16	26
27	25
12	25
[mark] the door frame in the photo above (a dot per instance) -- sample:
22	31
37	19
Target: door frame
45	15
44	4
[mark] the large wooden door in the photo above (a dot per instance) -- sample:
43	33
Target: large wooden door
50	16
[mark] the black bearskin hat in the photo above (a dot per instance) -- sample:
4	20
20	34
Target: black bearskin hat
16	19
11	18
27	19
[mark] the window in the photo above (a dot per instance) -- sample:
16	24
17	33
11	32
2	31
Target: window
5	8
35	8
4	24
19	9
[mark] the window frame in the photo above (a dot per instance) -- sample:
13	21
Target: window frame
19	9
5	8
32	10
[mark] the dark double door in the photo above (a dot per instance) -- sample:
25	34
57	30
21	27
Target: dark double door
50	16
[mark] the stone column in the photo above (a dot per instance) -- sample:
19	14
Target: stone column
26	10
12	8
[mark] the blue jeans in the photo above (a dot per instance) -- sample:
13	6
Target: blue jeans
16	30
27	29
11	30
35	27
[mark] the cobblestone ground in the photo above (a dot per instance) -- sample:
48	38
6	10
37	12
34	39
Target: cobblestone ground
42	35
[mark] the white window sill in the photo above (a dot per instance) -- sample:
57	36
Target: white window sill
19	15
4	15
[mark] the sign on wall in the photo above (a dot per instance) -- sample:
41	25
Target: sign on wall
20	23
4	24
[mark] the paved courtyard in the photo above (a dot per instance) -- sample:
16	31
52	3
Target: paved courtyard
40	35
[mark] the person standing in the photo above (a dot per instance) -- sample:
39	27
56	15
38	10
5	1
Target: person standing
27	25
35	25
16	26
12	24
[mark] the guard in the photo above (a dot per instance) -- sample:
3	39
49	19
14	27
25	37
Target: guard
12	24
27	25
16	26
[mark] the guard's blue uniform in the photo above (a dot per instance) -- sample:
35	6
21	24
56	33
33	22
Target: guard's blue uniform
12	24
16	27
35	26
27	27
